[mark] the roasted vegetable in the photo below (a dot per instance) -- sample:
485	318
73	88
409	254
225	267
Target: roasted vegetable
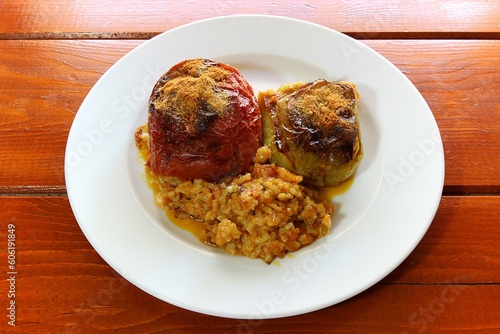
204	122
313	129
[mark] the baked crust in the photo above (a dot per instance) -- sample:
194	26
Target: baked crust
313	129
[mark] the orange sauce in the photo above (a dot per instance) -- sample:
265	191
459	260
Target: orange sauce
150	181
143	157
194	226
191	225
329	192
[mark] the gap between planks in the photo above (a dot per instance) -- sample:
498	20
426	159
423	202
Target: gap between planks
484	35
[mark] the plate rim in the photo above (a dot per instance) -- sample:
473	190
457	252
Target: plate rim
432	211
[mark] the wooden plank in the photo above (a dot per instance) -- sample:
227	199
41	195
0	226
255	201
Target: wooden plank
63	286
110	305
461	242
459	80
367	19
42	84
461	245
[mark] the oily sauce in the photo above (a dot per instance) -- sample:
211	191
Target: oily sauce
197	227
329	192
191	225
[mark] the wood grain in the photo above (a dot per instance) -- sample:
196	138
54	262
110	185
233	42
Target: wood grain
42	84
364	19
447	239
63	285
52	52
406	309
461	245
51	242
460	81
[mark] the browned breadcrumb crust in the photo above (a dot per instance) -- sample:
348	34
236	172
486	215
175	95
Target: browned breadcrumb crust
195	83
322	115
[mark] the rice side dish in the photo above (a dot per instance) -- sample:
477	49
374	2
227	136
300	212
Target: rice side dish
265	213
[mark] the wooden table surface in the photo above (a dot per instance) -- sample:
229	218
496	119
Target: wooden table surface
53	51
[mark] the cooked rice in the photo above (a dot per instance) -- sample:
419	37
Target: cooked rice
264	214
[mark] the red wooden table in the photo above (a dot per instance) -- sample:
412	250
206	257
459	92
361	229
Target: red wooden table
53	51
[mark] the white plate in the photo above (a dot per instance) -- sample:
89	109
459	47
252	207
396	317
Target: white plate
378	222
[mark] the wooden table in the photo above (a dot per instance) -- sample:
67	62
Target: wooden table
53	51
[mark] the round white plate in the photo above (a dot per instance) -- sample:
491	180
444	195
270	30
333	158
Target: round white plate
378	221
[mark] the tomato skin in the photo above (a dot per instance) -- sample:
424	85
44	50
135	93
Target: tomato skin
204	122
